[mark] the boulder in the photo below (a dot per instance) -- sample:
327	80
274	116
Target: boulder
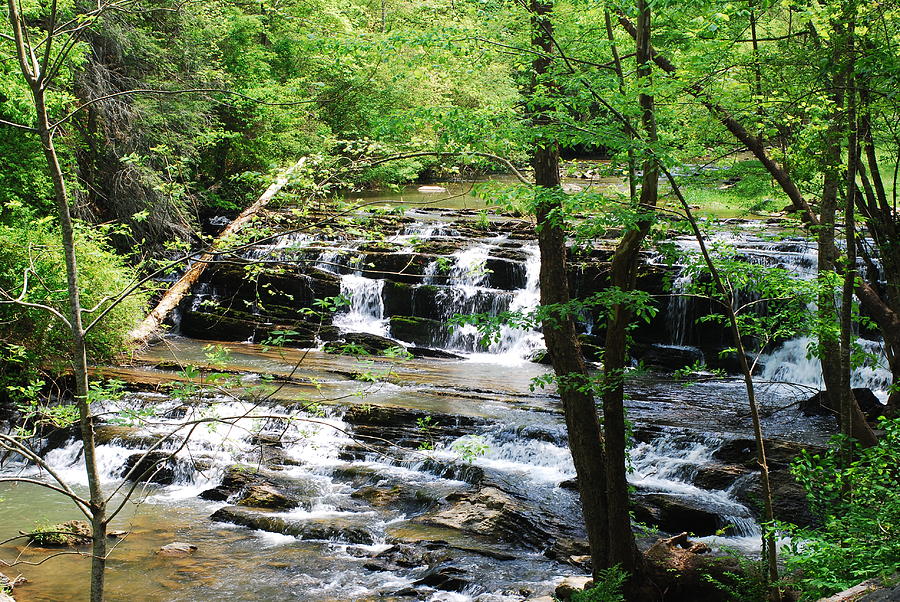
789	501
256	487
154	467
408	500
675	513
349	530
672	357
820	405
266	496
419	331
177	549
492	512
126	436
426	352
718	476
572	585
445	577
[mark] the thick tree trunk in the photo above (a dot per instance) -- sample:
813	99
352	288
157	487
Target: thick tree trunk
560	336
183	286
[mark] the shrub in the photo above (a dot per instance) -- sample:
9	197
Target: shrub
860	510
34	248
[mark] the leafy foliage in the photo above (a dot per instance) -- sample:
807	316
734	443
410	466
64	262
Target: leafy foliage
860	512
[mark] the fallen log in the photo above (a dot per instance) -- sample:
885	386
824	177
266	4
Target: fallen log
183	286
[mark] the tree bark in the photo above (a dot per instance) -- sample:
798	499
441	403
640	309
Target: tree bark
34	74
183	286
623	273
582	424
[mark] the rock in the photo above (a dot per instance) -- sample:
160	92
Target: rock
154	467
425	352
447	578
370	344
262	488
419	331
408	556
674	513
789	501
344	529
891	594
266	496
63	535
820	405
672	357
492	512
572	585
402	497
431	189
177	549
126	436
718	476
779	454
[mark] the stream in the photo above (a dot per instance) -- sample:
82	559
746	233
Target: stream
390	460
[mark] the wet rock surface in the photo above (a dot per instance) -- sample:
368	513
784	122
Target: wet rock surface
351	530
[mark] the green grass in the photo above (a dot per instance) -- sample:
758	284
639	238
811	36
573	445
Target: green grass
754	194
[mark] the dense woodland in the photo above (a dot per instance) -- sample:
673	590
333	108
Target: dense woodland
132	132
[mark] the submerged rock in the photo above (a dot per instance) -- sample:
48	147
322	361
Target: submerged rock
177	549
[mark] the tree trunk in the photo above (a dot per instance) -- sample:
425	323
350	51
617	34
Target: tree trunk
622	548
182	288
560	336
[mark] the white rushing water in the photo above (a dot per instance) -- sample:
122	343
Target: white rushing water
366	310
792	364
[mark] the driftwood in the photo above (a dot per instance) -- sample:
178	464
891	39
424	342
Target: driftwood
183	286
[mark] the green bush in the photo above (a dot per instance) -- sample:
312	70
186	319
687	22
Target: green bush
860	510
33	336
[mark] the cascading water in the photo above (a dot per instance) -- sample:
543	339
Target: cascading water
793	364
466	290
366	310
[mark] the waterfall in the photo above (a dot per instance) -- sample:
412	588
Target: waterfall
666	465
792	363
679	310
314	446
467	291
366	310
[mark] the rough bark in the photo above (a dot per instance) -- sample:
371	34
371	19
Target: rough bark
560	336
183	286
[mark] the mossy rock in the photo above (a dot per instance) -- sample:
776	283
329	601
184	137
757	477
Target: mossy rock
71	533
